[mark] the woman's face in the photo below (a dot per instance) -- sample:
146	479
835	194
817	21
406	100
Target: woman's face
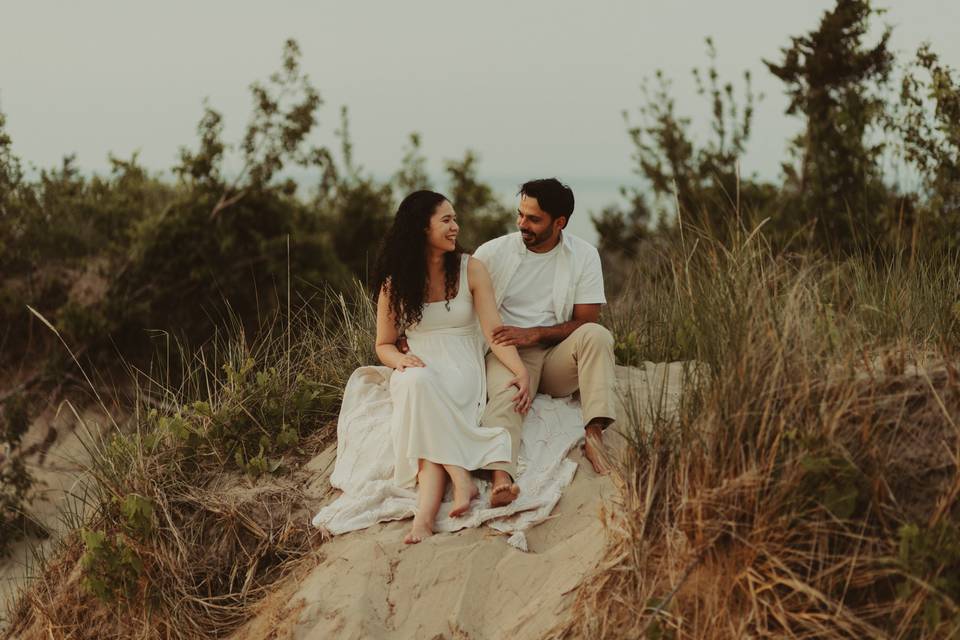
443	229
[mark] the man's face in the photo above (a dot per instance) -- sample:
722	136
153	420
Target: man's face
540	233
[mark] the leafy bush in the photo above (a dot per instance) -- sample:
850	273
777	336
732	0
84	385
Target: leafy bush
834	195
836	82
688	182
929	557
15	479
928	124
112	569
480	214
257	417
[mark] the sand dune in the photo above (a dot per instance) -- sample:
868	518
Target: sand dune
468	584
55	457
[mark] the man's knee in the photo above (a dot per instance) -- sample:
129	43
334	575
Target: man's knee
501	414
594	334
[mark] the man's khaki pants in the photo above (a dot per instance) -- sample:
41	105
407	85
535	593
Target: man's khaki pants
583	361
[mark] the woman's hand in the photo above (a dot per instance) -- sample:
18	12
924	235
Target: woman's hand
409	360
523	399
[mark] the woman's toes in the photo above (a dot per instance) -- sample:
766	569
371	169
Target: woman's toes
417	533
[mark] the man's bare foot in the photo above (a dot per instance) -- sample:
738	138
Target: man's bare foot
418	532
504	494
461	499
594	450
504	491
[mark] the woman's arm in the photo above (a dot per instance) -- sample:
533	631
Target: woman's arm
387	337
486	306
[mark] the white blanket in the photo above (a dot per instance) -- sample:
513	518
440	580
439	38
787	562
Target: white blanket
364	466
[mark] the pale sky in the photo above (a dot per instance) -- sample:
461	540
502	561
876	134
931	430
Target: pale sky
535	87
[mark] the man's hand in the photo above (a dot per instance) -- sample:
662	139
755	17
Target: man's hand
508	336
402	345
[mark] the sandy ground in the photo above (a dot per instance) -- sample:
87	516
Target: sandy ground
468	584
56	459
368	584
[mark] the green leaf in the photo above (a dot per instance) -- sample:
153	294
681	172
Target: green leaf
138	512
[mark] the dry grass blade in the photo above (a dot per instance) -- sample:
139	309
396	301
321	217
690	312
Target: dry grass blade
809	488
199	505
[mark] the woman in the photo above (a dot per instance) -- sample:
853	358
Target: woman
435	293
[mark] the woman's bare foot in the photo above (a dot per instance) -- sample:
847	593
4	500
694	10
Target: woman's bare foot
462	496
505	490
464	490
418	532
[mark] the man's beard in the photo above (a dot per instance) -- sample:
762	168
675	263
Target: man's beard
533	240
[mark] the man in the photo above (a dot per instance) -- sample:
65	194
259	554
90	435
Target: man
548	286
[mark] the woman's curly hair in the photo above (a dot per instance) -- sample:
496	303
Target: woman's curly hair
401	266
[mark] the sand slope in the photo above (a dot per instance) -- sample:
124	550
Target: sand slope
468	584
55	457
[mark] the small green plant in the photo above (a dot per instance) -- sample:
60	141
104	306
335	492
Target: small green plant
138	514
111	567
260	415
832	481
930	560
627	349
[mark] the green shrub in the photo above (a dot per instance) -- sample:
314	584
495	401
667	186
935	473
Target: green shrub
112	569
929	557
15	479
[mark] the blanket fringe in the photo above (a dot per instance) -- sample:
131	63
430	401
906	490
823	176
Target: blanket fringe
518	540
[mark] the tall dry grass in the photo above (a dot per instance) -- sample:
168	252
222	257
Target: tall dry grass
195	507
807	487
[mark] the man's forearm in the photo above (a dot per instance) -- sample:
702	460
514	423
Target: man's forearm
558	333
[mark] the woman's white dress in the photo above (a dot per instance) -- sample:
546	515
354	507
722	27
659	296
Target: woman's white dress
390	418
437	408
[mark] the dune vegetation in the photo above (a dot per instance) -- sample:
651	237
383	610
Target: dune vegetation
807	486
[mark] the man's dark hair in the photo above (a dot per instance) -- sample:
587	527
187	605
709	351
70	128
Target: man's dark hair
553	196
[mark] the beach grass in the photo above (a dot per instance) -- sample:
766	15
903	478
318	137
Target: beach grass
807	484
195	503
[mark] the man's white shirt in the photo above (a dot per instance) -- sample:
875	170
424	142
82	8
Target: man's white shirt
528	300
536	290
